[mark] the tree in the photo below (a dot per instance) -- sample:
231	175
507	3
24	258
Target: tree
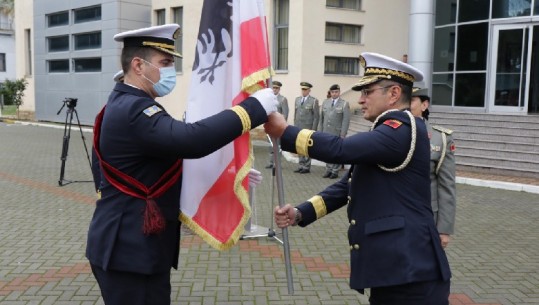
13	92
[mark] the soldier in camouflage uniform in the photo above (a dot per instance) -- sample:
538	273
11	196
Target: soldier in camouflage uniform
282	108
306	117
334	119
442	168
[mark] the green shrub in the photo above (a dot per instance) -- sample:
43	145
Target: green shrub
13	91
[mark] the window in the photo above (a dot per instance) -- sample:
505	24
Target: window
348	4
347	33
280	61
160	17
470	89
2	62
58	19
446	12
178	18
28	45
342	65
444	49
87	64
505	9
442	89
87	41
473	10
472	47
58	66
58	44
87	14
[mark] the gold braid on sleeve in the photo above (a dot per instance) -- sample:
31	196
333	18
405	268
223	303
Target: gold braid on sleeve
244	117
304	141
319	206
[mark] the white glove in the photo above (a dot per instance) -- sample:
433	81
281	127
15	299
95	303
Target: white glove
267	99
255	177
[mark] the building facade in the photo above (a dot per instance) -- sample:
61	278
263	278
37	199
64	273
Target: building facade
7	47
486	56
317	41
72	54
478	56
69	51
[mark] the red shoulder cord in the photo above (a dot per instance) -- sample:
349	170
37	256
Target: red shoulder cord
154	222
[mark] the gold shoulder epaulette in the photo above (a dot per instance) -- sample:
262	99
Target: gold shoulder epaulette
442	129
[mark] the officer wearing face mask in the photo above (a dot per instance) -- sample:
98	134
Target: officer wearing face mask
134	235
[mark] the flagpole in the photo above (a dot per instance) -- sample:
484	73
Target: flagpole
280	194
277	170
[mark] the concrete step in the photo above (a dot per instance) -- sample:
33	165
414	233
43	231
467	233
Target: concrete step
474	135
501	154
483	116
506	163
484	123
490	170
511	131
494	145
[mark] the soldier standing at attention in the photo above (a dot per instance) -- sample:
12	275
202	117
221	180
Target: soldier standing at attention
134	235
442	168
306	117
282	108
334	119
395	248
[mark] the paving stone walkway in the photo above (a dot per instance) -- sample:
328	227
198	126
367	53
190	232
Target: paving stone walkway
493	255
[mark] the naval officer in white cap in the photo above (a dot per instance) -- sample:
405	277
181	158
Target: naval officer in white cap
134	235
395	248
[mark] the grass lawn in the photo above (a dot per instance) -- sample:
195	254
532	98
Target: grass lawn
9	110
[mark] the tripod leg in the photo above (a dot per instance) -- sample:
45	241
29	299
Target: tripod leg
65	144
83	138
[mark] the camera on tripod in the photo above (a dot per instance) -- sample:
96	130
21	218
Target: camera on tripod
71	102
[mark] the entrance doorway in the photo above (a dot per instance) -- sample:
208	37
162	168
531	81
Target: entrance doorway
514	78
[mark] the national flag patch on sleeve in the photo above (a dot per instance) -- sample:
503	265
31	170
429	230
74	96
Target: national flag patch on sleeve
393	123
152	110
452	147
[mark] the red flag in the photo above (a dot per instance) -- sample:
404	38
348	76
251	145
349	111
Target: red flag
231	62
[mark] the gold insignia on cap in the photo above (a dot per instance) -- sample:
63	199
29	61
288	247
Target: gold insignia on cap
390	72
367	80
362	61
176	34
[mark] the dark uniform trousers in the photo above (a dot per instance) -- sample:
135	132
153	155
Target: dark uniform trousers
418	293
136	288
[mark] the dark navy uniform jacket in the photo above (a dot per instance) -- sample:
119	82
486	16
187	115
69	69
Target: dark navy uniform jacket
143	142
393	239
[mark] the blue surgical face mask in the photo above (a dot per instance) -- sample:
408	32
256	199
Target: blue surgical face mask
167	80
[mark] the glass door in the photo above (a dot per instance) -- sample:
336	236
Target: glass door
509	77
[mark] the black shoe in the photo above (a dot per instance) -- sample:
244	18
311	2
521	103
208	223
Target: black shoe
269	166
305	171
326	175
333	176
298	170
